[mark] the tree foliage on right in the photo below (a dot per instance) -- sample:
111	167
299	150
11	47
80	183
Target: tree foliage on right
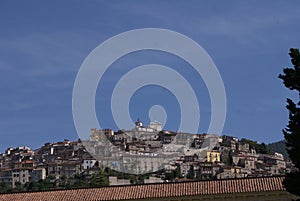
291	80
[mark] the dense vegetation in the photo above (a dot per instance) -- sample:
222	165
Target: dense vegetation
291	80
99	179
260	148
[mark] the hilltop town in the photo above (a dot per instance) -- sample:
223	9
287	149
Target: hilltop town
69	164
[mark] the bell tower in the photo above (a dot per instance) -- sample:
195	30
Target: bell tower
138	123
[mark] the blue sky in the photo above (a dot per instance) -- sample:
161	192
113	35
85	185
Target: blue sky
43	44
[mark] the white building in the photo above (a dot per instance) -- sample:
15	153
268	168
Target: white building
88	163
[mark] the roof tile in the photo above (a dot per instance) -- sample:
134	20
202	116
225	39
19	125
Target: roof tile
154	190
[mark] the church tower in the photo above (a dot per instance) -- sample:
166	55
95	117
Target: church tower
138	123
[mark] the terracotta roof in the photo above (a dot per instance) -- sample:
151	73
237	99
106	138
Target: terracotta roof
155	190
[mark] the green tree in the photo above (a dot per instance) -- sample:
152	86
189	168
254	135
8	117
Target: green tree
4	188
99	179
18	187
169	176
291	80
260	148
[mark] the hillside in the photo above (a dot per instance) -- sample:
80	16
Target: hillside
279	147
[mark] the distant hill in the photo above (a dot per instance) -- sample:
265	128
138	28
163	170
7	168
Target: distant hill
279	147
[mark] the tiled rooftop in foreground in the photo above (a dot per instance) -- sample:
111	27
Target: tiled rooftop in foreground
251	188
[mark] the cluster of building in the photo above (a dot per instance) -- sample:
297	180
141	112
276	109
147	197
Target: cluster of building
61	159
138	151
194	156
234	161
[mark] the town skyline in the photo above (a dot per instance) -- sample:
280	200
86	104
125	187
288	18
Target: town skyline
36	146
142	155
